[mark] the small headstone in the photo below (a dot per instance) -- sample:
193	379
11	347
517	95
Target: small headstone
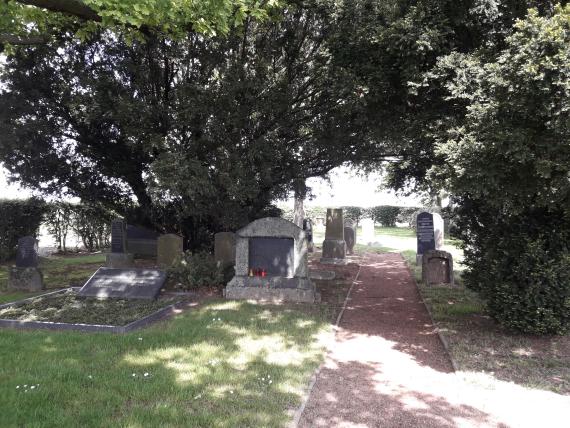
350	239
26	276
27	252
334	245
124	284
437	267
425	234
25	279
308	228
438	231
225	248
118	236
368	232
169	248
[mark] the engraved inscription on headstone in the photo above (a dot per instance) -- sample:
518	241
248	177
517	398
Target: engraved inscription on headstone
273	255
124	284
27	252
118	236
425	234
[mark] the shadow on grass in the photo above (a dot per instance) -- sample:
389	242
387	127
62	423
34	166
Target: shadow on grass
224	364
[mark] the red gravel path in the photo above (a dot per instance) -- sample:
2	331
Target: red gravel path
388	368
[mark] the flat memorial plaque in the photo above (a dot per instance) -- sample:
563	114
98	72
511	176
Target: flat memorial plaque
124	284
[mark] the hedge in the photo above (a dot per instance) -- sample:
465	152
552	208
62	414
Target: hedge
18	218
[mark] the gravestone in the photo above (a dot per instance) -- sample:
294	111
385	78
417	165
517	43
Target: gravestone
368	232
438	231
334	246
308	228
271	263
225	248
119	257
437	267
118	236
124	284
168	248
142	242
26	276
27	252
350	239
425	234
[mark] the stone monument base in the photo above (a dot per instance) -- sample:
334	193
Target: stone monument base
119	260
334	251
272	289
26	279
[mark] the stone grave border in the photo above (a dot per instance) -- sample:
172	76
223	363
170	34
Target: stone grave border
162	313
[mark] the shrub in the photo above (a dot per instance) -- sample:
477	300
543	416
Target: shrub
521	267
18	218
408	215
354	214
386	215
197	270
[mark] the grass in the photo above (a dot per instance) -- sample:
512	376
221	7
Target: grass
62	271
223	364
479	345
68	308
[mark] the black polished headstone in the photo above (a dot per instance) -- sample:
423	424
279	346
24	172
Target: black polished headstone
425	233
274	255
27	252
124	284
142	241
118	236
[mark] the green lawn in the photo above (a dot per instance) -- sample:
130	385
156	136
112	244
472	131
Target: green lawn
62	271
224	364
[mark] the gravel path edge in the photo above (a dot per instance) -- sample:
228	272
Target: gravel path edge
442	338
299	412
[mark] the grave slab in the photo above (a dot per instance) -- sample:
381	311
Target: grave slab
124	284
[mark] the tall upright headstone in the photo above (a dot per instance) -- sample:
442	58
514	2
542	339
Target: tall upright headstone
118	236
225	248
334	245
26	275
438	231
169	248
119	257
368	232
350	238
425	234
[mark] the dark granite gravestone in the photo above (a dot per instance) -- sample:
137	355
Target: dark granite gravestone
27	252
118	236
273	255
124	284
350	239
142	241
334	245
424	231
26	276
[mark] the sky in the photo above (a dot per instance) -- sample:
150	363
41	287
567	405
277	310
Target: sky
345	188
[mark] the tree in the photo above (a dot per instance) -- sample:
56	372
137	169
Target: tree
506	160
30	22
195	135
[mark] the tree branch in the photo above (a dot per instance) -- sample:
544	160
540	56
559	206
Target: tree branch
23	40
69	7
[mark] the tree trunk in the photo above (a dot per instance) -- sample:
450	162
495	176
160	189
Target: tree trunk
298	208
